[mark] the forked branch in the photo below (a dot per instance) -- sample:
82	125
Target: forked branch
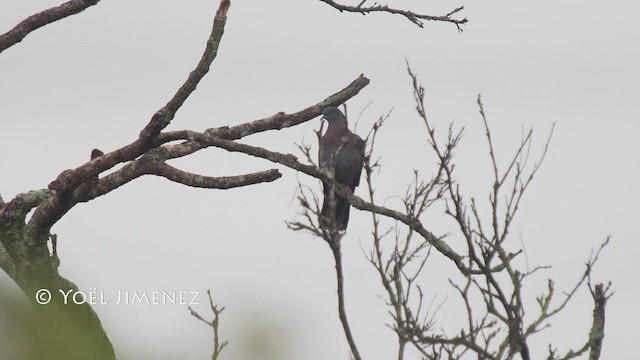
67	182
218	345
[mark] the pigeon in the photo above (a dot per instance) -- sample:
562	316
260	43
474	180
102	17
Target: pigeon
344	151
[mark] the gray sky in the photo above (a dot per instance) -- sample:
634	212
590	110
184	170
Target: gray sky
95	79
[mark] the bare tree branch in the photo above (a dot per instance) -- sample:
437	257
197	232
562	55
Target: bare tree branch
342	312
328	231
600	296
218	182
277	121
214	324
163	117
546	311
12	216
32	266
61	201
415	18
41	19
54	208
147	163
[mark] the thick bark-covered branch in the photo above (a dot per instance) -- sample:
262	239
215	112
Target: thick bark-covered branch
411	16
8	264
71	179
163	117
25	258
50	212
20	205
41	19
146	164
277	121
12	217
24	253
219	182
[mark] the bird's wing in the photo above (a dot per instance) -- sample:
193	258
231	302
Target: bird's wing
350	161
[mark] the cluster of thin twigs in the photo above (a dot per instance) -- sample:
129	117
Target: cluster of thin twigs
497	329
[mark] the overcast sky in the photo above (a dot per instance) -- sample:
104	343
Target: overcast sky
93	81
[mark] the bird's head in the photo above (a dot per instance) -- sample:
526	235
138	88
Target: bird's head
332	114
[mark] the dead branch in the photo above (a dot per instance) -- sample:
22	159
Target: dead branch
41	19
415	18
54	208
219	182
328	231
214	323
600	296
342	312
163	117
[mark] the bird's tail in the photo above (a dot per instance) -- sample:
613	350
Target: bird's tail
341	212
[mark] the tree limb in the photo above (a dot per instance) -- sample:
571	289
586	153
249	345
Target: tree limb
41	19
342	312
411	16
48	214
214	324
596	336
277	121
163	117
219	182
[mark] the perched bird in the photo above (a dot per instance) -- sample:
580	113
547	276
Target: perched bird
344	151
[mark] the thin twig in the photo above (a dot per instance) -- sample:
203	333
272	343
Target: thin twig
214	324
415	18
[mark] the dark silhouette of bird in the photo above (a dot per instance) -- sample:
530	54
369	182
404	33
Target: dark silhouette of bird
344	151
